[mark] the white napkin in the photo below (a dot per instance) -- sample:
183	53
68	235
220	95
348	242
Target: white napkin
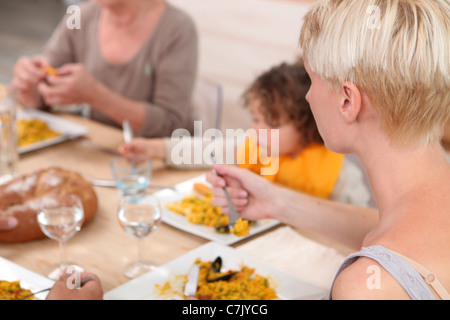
287	250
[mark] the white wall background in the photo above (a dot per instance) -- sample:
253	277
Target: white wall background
239	39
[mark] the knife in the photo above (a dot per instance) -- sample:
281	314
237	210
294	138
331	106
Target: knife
112	184
190	289
89	144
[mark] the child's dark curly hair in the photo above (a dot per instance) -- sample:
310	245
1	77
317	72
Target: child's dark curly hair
281	92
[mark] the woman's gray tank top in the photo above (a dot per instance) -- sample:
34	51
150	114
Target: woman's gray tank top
399	268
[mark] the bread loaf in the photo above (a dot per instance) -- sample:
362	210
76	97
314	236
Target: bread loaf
22	196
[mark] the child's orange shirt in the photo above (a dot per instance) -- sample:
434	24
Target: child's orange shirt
315	170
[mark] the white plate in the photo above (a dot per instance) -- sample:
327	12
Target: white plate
142	288
67	129
10	271
178	221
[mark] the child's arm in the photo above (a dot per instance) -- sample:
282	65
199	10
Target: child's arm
152	148
195	152
182	153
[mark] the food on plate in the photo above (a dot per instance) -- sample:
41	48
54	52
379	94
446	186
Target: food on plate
50	70
22	196
215	284
30	131
197	209
13	291
173	288
241	228
202	189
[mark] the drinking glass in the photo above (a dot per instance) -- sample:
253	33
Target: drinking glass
132	174
60	217
139	218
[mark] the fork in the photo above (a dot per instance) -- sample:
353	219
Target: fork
127	132
128	137
233	216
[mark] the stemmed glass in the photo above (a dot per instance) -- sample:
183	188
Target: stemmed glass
139	217
60	217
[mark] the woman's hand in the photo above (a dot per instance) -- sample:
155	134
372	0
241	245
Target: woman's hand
152	148
28	73
73	85
91	290
8	223
252	195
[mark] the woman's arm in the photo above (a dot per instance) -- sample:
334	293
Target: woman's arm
256	198
175	77
344	223
117	107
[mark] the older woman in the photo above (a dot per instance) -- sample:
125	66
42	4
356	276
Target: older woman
380	89
130	59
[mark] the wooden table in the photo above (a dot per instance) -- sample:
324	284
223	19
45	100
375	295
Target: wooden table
101	246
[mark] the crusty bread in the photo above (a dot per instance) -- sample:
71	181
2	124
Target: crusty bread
21	197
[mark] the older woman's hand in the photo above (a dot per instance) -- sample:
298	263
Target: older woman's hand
28	73
73	85
8	223
252	196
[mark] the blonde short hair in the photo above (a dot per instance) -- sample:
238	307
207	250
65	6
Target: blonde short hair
396	50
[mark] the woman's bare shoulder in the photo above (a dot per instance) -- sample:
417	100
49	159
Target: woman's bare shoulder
366	279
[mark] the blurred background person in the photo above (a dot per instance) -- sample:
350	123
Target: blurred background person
130	59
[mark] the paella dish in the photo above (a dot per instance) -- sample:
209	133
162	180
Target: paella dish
217	284
13	291
197	209
31	131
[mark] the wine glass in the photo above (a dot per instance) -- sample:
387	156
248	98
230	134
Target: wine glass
139	217
60	217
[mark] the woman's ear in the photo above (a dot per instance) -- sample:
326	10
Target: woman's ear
351	102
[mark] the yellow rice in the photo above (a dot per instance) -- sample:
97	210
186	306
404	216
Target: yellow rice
31	131
13	291
245	285
197	209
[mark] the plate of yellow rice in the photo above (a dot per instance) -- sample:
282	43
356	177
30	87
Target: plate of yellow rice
38	129
255	280
191	212
16	282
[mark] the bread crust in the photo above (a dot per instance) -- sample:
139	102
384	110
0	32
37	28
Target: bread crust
21	198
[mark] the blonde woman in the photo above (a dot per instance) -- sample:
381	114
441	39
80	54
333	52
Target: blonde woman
380	89
129	59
